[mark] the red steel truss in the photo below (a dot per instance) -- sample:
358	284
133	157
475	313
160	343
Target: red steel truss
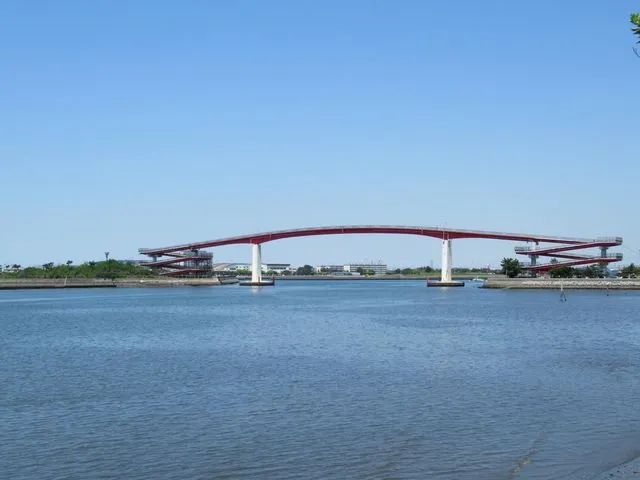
189	263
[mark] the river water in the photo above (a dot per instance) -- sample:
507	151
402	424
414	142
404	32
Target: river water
326	380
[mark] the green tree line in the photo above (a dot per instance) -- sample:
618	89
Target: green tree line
591	271
105	269
630	270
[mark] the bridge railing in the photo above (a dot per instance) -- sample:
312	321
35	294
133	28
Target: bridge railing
192	253
526	249
178	256
616	240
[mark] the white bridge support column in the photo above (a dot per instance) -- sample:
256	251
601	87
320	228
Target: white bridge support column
446	261
256	263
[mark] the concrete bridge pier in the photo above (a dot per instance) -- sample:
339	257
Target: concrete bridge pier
256	263
445	275
256	268
446	279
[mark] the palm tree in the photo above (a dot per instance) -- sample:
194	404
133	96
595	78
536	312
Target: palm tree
635	20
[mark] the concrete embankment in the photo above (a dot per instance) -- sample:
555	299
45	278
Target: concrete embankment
38	283
565	283
349	277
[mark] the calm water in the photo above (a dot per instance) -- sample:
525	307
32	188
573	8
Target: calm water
357	380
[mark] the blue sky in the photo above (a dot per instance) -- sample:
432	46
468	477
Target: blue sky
141	124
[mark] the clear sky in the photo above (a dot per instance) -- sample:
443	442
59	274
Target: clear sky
127	124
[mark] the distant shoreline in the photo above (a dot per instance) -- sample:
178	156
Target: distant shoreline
392	276
349	277
54	283
500	283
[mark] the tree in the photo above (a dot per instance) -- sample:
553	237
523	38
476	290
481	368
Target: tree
629	271
305	270
561	272
511	267
635	20
594	271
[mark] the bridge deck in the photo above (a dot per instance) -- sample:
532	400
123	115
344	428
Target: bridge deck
435	232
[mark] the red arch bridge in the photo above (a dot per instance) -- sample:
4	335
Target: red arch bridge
560	251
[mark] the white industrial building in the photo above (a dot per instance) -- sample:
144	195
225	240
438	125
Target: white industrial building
265	267
376	268
329	268
353	268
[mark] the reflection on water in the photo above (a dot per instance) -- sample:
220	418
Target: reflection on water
317	380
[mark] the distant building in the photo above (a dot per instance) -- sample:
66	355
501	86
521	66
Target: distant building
265	267
376	268
329	268
133	262
231	267
276	267
10	268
